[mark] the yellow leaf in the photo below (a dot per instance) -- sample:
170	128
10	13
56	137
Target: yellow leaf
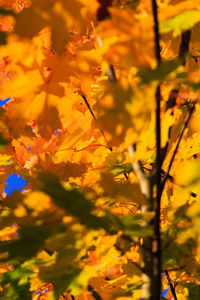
20	211
121	192
5	159
81	280
37	201
188	173
64	16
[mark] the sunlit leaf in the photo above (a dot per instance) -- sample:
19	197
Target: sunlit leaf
181	22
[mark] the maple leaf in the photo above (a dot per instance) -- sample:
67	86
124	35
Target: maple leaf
62	16
128	32
78	83
16	5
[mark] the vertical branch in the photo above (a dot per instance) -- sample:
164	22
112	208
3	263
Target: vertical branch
184	47
156	31
156	242
146	187
151	248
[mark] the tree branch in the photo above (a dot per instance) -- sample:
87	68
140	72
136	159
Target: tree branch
112	78
156	31
175	269
186	121
94	293
138	168
88	106
171	178
172	286
111	74
156	242
184	47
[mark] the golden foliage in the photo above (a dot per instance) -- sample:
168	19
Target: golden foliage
83	91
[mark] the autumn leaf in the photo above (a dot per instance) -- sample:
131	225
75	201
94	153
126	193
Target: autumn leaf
98	100
62	16
121	192
181	22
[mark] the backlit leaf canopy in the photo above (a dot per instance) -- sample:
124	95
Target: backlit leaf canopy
78	82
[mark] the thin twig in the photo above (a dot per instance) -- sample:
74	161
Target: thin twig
187	119
111	74
88	106
174	269
112	78
94	293
66	297
171	178
171	284
93	115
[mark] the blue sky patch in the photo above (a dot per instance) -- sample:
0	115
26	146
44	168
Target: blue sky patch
2	102
15	183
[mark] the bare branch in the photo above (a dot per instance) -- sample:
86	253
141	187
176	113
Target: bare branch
174	269
94	293
88	106
171	178
111	74
156	241
138	168
171	284
186	121
184	46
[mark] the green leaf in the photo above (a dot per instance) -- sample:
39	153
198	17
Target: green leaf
2	38
18	279
179	254
120	169
194	290
115	160
31	240
16	292
66	268
80	282
131	269
132	226
6	12
3	142
181	22
74	202
121	192
148	75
